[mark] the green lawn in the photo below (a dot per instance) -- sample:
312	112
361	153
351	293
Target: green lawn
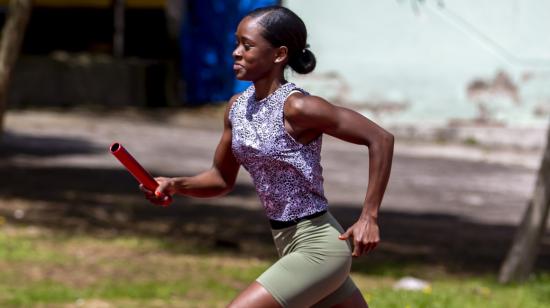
45	268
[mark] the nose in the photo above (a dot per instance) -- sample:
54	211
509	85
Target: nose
237	52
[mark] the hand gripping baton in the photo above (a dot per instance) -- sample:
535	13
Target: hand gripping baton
141	175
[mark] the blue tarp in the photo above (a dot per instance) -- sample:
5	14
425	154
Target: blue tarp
207	39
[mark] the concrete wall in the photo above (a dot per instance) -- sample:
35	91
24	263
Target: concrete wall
467	62
64	79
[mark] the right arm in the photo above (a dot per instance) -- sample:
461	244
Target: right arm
218	180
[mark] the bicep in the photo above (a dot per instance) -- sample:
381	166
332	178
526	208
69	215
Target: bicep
341	122
224	160
351	126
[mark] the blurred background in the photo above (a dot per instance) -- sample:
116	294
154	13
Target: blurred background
462	84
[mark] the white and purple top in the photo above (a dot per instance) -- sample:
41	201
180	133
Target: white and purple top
287	174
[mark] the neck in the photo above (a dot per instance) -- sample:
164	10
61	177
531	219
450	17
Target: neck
266	86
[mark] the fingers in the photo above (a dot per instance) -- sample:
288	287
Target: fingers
161	196
363	247
357	249
144	189
163	188
157	197
369	247
346	234
358	246
149	194
166	200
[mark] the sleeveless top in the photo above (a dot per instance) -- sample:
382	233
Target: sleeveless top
287	174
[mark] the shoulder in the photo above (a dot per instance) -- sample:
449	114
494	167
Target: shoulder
300	106
231	102
228	107
246	93
310	112
234	98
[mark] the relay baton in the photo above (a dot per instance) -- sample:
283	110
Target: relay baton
141	175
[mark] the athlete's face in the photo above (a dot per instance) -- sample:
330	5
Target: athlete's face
254	56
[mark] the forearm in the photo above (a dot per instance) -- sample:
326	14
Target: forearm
380	161
204	185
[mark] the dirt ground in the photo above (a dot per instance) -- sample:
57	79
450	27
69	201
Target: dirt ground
448	203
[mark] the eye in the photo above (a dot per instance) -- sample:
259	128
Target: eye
247	46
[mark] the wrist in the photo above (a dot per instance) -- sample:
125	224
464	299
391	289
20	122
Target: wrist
177	185
368	218
371	216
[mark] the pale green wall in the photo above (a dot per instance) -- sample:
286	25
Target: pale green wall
402	66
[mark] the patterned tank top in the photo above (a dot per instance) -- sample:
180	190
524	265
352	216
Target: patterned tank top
287	174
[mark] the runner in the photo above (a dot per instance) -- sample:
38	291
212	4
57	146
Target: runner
274	130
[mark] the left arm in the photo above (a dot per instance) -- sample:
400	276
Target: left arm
311	115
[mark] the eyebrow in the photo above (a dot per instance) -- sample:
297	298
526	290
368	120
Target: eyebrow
245	38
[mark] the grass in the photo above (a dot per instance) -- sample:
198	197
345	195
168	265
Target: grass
45	268
473	292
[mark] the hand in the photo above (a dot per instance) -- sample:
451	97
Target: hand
365	234
162	195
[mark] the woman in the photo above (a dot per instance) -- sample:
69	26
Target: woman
274	130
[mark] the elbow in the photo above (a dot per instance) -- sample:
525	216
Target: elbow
213	191
388	143
384	143
223	183
226	189
388	140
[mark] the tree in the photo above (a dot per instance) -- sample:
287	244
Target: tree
523	253
174	10
119	7
19	12
521	257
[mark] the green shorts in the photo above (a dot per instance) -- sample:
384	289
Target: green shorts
313	269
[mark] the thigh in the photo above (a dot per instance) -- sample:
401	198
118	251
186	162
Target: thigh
355	300
347	295
301	280
254	296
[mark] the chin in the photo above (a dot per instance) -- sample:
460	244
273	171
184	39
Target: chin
242	78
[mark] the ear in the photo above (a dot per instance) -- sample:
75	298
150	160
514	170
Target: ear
281	55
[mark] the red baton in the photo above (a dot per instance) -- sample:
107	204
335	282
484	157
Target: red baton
131	164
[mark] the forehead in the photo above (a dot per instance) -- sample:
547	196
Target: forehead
250	28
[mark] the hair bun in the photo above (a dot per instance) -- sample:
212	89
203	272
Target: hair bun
304	62
282	27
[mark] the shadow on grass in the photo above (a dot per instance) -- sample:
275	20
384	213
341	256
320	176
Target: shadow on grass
12	144
77	199
88	200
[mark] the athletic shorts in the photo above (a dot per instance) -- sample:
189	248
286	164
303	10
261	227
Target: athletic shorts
313	269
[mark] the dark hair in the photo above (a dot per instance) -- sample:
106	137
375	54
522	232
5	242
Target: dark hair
282	27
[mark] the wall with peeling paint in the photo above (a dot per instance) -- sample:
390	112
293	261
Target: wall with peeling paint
451	62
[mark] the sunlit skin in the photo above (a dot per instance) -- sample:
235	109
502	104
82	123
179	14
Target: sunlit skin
256	60
306	117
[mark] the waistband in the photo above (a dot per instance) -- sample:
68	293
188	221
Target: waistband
277	224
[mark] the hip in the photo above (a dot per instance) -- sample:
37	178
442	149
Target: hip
317	236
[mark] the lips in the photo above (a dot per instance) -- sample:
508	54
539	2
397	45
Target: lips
237	66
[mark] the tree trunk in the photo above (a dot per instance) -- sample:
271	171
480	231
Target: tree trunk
119	8
522	255
174	13
17	18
